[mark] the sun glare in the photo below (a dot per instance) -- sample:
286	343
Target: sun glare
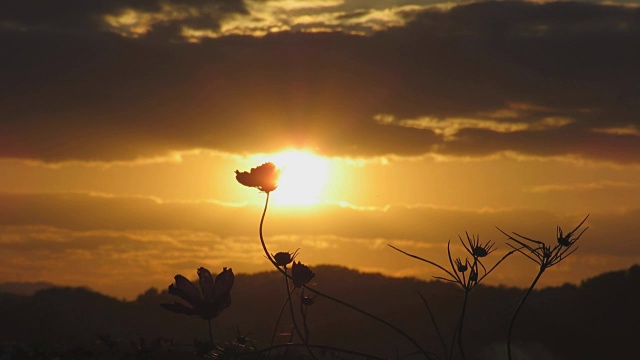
302	179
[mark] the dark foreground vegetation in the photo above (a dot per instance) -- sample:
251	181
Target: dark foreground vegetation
595	320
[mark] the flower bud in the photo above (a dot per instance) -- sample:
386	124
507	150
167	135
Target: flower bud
301	274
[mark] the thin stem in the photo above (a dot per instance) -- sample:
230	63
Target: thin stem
286	276
513	318
293	320
461	322
210	333
435	325
317	292
425	260
453	341
284	305
352	307
303	312
264	246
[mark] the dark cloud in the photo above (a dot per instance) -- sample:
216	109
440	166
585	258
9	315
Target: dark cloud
79	16
103	97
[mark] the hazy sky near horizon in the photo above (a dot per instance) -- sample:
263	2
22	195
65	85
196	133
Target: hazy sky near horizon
121	125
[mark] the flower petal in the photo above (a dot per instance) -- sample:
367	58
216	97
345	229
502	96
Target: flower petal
224	283
301	274
186	290
176	307
264	177
206	284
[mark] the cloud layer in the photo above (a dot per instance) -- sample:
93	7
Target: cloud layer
121	245
548	79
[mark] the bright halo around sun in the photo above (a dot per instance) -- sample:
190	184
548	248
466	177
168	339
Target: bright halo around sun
302	179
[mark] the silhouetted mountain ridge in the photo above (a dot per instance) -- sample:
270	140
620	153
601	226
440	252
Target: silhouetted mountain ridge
556	321
25	288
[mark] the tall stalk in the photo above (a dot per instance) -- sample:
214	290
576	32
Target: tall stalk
275	328
461	323
457	275
545	256
319	293
210	333
515	313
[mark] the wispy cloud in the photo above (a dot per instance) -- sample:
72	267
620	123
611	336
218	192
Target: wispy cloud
627	130
449	127
583	187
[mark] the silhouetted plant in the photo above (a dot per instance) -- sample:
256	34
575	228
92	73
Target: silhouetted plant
206	302
265	178
285	258
545	256
458	274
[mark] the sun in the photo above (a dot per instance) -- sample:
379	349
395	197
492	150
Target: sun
302	179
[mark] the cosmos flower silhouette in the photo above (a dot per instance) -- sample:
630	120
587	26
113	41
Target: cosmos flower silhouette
206	302
283	258
476	248
301	274
264	177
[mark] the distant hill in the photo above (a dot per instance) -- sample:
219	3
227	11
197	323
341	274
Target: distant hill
25	288
594	320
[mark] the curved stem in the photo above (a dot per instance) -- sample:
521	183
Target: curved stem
286	277
264	246
317	292
513	318
355	308
293	321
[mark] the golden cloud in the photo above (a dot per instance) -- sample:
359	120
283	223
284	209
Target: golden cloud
449	127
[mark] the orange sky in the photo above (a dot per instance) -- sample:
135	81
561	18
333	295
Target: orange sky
122	228
118	143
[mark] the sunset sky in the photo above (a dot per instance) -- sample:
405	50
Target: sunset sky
403	122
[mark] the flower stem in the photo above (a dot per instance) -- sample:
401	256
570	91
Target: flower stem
435	325
264	246
461	322
317	292
303	312
210	333
275	329
515	314
295	324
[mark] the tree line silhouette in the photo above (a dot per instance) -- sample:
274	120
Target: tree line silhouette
592	320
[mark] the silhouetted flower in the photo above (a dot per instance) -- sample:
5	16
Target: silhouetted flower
546	255
569	240
206	302
476	249
301	274
473	277
461	267
264	177
284	258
